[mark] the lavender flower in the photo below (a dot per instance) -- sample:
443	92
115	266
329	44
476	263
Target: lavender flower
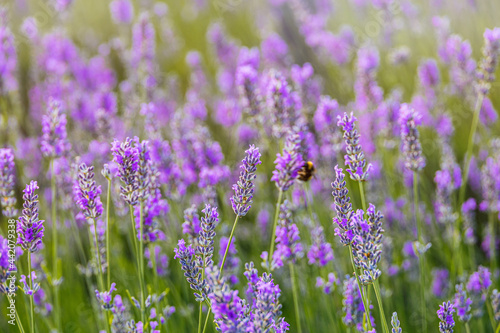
191	226
54	142
445	315
409	119
462	303
126	155
105	298
8	57
192	272
495	303
29	227
7	183
355	158
122	11
288	246
328	284
477	286
288	163
241	201
247	85
352	308
491	52
440	281
281	104
490	184
31	291
343	208
367	243
320	252
396	328
207	235
88	193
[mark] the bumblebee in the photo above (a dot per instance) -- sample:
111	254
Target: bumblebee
306	172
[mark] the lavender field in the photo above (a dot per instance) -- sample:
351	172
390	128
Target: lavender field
250	166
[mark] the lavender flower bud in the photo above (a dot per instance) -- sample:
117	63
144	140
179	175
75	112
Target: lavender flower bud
396	328
343	208
29	227
88	193
445	315
355	158
126	155
462	303
409	119
7	183
489	62
241	201
207	234
192	272
367	243
288	163
288	246
54	141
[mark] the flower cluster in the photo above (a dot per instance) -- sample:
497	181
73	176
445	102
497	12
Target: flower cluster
462	303
396	328
343	208
241	201
367	243
126	155
54	141
409	119
192	272
491	52
445	315
88	193
29	227
288	163
104	298
354	158
7	182
320	252
352	304
207	235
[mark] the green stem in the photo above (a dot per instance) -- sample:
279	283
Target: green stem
498	328
55	285
108	204
101	279
141	260
275	224
21	328
206	320
491	222
362	195
380	305
467	328
295	296
228	245
421	255
32	308
363	295
490	314
470	146
199	319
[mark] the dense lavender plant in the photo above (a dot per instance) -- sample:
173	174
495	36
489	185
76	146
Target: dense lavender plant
354	158
29	228
54	142
241	201
445	315
7	183
412	150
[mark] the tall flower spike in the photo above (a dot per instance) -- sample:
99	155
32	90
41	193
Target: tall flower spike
54	141
288	246
126	155
29	227
396	328
409	119
367	243
88	193
445	315
343	208
354	158
241	201
192	272
207	234
7	182
489	62
288	163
